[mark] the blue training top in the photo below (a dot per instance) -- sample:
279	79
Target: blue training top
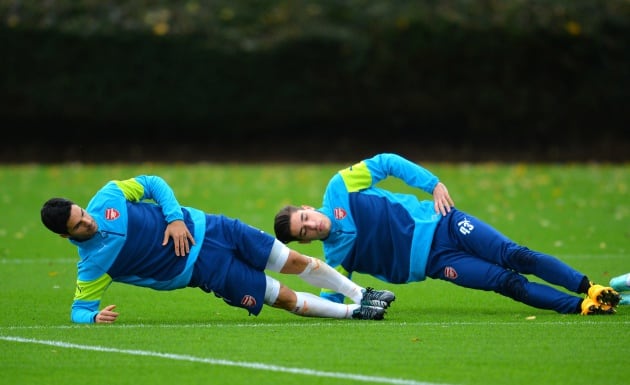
128	245
375	231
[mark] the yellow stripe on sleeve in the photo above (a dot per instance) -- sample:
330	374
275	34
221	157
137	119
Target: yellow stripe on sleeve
92	290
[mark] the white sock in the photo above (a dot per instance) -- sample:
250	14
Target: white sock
320	274
310	305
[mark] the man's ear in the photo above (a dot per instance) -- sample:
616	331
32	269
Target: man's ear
306	207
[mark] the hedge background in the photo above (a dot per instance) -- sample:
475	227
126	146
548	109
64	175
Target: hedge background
315	80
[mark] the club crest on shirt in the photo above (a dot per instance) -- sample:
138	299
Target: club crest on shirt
111	214
339	213
248	301
450	272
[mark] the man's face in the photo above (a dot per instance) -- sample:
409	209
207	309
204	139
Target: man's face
308	224
80	224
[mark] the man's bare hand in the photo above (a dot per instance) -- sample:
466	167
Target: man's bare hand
182	238
442	199
107	315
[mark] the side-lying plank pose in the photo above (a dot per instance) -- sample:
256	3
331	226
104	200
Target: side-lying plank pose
134	231
399	239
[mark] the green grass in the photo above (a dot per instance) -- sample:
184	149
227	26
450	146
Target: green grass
435	333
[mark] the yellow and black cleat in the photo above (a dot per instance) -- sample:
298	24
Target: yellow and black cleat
590	307
604	295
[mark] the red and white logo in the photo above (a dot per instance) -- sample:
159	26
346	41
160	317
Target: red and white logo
339	213
450	272
248	301
111	214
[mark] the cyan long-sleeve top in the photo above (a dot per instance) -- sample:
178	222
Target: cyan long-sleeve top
132	216
375	231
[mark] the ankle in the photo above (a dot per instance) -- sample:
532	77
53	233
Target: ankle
584	286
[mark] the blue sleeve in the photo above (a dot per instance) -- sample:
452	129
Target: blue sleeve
87	299
383	165
155	188
84	312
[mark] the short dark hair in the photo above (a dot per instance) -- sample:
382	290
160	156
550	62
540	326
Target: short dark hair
282	224
55	214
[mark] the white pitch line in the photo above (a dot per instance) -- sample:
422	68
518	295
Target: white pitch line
214	361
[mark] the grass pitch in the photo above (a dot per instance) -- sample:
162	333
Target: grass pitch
435	332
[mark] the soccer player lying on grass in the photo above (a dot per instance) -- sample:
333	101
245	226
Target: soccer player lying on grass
399	238
134	231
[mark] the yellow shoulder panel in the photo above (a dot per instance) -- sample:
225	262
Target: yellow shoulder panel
132	190
356	177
